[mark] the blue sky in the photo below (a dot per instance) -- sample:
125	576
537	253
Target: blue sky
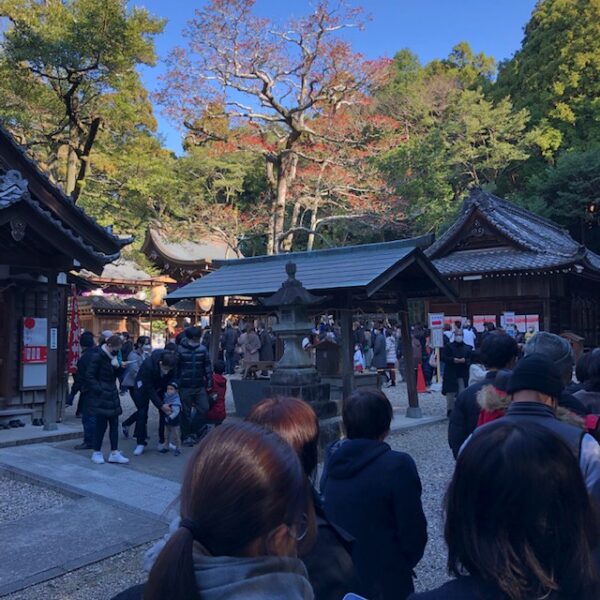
430	28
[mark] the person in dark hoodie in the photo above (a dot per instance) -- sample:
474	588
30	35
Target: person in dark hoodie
194	375
245	513
88	349
374	493
329	561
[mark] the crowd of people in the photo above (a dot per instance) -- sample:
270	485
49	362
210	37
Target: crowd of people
255	522
179	380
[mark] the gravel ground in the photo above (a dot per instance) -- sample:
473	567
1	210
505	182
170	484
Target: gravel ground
19	499
100	581
429	447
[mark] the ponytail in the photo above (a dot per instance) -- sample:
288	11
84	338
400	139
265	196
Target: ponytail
172	576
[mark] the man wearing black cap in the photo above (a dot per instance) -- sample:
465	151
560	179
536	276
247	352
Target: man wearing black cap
535	386
559	351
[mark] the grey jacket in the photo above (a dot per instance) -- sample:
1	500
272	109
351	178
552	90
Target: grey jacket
260	578
174	401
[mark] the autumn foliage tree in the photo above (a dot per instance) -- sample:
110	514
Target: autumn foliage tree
275	85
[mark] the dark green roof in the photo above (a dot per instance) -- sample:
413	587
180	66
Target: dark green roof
366	266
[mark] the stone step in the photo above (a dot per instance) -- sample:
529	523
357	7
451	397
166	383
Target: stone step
82	531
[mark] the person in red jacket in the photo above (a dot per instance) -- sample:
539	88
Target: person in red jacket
216	394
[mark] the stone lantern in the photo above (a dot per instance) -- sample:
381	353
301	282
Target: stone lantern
295	375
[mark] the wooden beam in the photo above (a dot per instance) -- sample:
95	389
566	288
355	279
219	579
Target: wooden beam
347	347
215	328
50	405
413	410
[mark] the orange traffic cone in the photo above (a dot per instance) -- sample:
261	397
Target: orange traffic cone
421	387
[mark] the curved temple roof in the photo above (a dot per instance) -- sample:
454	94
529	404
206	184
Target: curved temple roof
524	241
368	267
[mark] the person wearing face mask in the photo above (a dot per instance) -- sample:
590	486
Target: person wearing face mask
135	358
104	402
457	358
151	382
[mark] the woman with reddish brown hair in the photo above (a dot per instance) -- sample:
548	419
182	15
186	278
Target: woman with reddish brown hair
329	562
244	512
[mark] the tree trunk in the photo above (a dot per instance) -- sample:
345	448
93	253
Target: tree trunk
313	225
271	234
72	161
279	202
288	242
85	158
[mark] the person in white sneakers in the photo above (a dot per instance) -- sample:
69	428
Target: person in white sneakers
104	401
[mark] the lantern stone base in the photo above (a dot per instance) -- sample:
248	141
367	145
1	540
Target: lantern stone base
316	394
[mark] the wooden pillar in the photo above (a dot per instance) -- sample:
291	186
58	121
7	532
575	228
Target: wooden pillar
51	403
347	347
547	315
215	328
413	410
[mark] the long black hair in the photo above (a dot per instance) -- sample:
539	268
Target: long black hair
241	483
518	515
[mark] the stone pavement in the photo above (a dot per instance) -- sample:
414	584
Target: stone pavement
29	434
113	508
82	531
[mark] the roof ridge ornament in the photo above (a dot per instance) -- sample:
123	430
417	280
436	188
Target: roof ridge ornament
12	186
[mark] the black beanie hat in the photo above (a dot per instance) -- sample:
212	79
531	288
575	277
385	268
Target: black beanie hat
538	373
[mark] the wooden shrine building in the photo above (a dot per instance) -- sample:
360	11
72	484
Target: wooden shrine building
376	278
184	260
44	237
127	298
502	258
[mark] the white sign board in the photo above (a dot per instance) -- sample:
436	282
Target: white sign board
34	368
436	320
437	338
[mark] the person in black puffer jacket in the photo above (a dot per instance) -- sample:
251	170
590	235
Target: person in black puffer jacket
194	376
101	391
88	349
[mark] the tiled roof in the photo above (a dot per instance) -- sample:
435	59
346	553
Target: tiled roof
6	137
522	227
593	259
496	260
14	189
331	269
185	251
530	241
